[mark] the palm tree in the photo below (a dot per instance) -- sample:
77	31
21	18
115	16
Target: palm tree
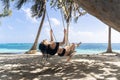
39	9
68	7
34	47
109	49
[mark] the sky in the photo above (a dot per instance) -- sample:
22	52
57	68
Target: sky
20	27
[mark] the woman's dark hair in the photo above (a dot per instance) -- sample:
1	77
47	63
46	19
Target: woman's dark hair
42	48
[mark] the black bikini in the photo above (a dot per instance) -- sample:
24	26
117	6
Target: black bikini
52	51
63	53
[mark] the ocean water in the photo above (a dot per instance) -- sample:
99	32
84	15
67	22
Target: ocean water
84	48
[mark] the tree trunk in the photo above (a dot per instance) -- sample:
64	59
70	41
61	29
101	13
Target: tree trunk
109	49
67	35
34	47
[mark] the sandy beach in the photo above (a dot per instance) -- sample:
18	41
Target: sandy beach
81	67
87	28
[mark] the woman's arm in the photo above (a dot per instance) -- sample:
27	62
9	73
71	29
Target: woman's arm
51	35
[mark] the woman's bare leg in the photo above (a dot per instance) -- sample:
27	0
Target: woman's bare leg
72	49
69	49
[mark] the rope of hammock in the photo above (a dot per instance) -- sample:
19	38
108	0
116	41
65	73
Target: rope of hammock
50	26
67	42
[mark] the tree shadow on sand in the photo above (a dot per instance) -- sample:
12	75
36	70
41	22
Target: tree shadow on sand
31	68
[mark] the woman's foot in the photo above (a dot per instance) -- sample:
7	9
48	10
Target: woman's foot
78	44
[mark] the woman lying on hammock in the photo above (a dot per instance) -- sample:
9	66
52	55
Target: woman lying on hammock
52	48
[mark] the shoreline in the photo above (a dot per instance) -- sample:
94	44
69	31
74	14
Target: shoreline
81	67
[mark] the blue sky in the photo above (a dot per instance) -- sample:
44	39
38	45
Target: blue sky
20	27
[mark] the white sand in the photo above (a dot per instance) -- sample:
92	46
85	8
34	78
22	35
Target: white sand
81	67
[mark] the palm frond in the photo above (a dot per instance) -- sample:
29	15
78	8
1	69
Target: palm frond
69	8
6	4
5	13
38	8
80	13
19	3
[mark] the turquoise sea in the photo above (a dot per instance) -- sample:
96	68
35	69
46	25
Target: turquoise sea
84	48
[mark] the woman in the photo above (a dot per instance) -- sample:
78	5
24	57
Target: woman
51	47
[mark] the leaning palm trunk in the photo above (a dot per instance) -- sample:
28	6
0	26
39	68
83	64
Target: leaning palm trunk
109	49
108	11
34	47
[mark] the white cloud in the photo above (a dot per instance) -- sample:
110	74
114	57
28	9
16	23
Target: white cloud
79	36
10	27
46	23
45	34
115	36
93	37
30	38
1	37
29	15
55	21
19	20
33	36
